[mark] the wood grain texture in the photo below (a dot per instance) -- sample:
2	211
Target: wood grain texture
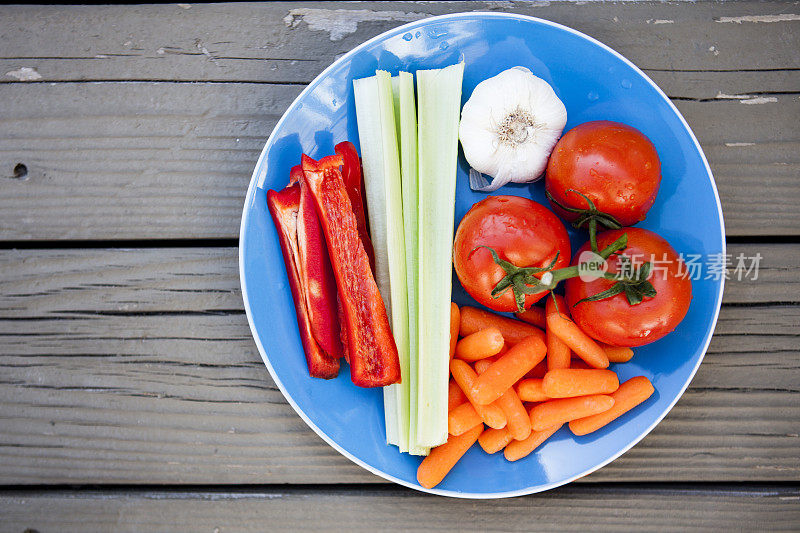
132	157
294	41
137	366
574	508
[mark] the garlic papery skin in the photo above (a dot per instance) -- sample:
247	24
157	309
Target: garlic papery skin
509	126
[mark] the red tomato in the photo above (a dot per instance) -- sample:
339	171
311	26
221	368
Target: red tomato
612	163
521	231
614	320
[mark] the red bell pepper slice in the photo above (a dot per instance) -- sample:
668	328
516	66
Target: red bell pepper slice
321	298
317	275
354	183
370	345
285	206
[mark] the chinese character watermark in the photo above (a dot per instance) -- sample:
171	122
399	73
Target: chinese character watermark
696	267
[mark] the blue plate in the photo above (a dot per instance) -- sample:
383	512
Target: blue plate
594	82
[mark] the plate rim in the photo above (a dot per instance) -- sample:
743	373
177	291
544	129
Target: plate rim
249	198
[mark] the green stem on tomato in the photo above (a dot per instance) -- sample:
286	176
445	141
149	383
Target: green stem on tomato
522	281
593	234
635	287
591	216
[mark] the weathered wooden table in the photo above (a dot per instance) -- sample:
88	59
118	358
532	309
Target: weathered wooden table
132	396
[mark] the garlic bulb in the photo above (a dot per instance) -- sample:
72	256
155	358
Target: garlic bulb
508	128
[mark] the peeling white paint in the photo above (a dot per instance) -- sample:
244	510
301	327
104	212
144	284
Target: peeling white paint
749	99
723	96
736	145
341	22
25	74
663	21
784	17
205	52
500	4
760	100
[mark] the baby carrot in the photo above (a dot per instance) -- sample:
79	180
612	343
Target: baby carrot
518	449
455	396
556	412
481	366
484	343
507	370
570	382
462	419
627	396
534	315
455	322
530	390
616	354
519	423
494	440
518	420
443	458
491	414
473	320
558	353
566	330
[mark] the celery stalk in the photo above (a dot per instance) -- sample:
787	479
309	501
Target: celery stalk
439	104
406	113
396	251
380	160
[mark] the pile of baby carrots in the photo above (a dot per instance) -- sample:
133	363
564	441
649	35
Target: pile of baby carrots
514	383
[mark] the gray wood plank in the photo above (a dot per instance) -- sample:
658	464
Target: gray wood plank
137	366
292	42
169	160
172	160
117	160
574	508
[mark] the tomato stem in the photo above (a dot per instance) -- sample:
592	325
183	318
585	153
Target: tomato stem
591	216
635	286
522	281
593	234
